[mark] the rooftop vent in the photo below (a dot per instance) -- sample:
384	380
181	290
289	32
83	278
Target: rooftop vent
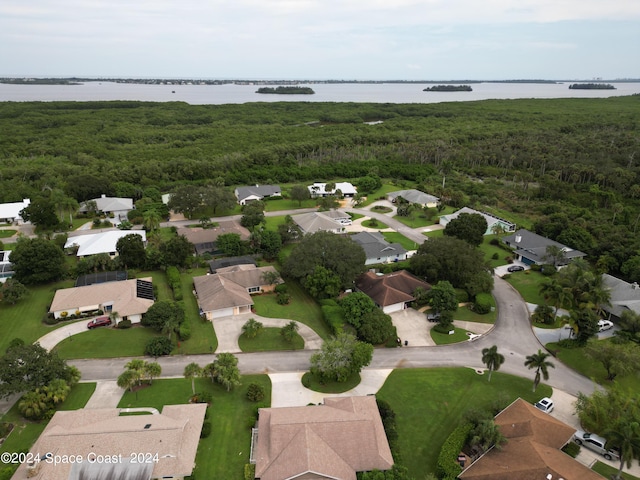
147	426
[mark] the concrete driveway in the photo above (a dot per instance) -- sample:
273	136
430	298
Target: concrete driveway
228	329
413	327
106	395
53	338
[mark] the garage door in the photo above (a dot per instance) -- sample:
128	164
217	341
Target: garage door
225	312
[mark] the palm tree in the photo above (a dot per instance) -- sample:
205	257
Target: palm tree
289	331
137	367
113	316
210	370
554	293
192	371
251	328
492	359
127	380
151	220
625	436
227	372
541	364
56	391
152	370
33	404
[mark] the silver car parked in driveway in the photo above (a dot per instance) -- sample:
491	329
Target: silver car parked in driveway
596	443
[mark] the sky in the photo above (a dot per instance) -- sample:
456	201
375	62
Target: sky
321	39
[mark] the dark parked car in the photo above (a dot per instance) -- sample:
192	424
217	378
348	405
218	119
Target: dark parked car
99	322
515	268
433	316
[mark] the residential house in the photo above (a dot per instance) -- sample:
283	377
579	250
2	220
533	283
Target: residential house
531	248
256	192
116	208
313	222
228	292
110	445
335	440
377	249
319	189
391	292
494	224
129	298
89	243
414	196
10	212
624	296
532	450
204	239
6	268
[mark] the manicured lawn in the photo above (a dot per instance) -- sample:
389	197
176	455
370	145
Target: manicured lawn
416	219
528	284
395	237
489	250
465	314
24	319
434	233
78	396
269	339
203	337
271	223
7	233
302	308
607	472
160	281
373	223
575	359
225	452
313	383
430	403
287	204
459	335
106	343
380	193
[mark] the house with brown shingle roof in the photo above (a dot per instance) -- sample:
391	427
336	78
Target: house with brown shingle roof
105	442
330	441
204	239
532	450
391	292
129	298
228	291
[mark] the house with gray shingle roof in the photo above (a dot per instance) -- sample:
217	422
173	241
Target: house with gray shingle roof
335	440
531	248
313	222
228	291
256	192
624	296
171	438
114	207
414	196
377	249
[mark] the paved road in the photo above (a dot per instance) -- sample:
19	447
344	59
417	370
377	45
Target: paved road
512	334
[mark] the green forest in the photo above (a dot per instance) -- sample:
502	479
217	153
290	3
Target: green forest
567	168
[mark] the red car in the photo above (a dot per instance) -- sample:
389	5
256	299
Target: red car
99	322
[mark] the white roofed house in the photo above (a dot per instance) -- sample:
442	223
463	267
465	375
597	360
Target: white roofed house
494	224
116	208
103	242
319	189
10	212
414	196
256	192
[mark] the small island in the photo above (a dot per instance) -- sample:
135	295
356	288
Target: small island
291	90
39	81
449	88
592	86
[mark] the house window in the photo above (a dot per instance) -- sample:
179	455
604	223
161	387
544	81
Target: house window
108	308
254	289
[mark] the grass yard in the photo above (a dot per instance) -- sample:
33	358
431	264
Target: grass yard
434	233
311	382
416	219
489	250
575	359
24	319
465	314
429	404
225	452
608	472
7	233
269	339
459	335
380	193
271	223
395	237
302	308
528	284
288	204
106	343
373	223
203	337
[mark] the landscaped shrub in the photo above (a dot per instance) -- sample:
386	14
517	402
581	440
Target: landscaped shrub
204	397
281	288
184	332
255	392
158	346
50	320
483	303
124	324
206	430
448	467
462	295
283	299
495	256
572	449
173	278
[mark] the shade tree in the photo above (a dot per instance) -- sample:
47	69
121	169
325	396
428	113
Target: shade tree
340	357
469	227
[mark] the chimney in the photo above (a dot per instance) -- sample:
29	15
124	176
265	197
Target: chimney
635	285
518	238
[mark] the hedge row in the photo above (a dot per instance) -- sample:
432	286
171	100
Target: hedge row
333	316
173	278
448	467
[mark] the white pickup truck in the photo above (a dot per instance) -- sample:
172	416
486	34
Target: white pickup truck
596	443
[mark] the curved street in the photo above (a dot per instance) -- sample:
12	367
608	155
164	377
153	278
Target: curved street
512	334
